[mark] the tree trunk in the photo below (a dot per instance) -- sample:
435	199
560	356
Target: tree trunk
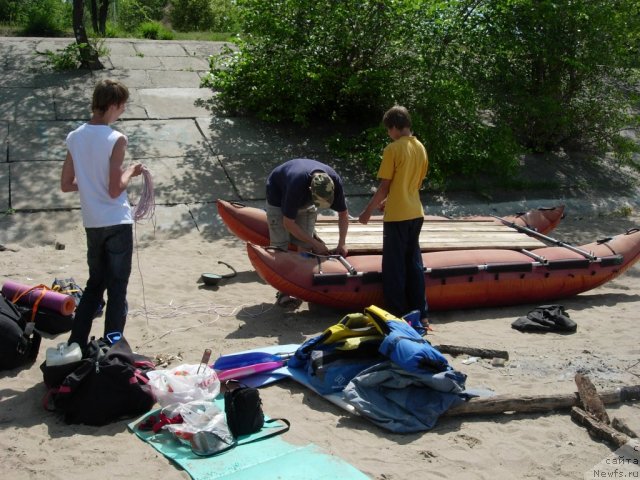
88	55
102	20
94	15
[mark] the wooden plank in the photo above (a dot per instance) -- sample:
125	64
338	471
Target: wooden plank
440	227
435	236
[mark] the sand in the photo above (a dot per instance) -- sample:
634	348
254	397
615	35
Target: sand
174	314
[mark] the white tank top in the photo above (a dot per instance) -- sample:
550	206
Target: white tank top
91	147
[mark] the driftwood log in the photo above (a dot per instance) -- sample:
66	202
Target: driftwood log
599	429
622	427
473	351
537	403
590	399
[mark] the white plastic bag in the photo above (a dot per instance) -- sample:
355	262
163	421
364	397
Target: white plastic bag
198	416
183	384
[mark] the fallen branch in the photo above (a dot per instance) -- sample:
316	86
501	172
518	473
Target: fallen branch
537	403
472	351
599	429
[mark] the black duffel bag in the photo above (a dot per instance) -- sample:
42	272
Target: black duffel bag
108	384
19	341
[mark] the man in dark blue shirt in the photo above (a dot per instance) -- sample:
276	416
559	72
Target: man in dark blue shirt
295	191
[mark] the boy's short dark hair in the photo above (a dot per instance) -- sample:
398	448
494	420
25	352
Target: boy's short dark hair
398	117
107	93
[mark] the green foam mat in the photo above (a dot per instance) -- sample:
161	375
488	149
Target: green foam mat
265	459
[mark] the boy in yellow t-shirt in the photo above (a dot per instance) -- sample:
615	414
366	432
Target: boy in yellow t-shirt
402	171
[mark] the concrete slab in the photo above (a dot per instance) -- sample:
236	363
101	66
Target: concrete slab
245	136
175	102
36	186
176	79
4	139
135	107
185	63
30	104
160	48
41	140
210	224
30	229
17	47
42	77
55	45
203	49
73	103
248	173
120	47
131	78
163	138
4	187
188	179
136	63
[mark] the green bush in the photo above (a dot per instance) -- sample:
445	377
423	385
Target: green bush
304	61
130	14
484	81
154	31
45	18
204	15
70	57
9	11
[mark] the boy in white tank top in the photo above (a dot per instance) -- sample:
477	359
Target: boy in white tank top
94	167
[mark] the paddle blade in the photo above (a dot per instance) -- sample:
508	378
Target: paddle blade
240	372
238	360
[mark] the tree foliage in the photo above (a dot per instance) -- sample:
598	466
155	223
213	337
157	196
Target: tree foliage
484	79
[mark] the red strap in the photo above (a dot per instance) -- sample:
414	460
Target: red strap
47	399
43	290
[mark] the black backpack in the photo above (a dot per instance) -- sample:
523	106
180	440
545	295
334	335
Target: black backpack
109	384
19	341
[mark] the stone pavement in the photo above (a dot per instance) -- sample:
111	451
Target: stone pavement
194	155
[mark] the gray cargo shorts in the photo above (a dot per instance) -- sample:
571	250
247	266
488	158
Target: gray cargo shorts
279	236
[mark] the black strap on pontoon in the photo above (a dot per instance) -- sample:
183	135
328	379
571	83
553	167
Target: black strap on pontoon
545	238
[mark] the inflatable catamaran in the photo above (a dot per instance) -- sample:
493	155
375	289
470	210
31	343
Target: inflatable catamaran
498	262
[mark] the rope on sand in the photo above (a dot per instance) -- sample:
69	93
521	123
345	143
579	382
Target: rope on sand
173	311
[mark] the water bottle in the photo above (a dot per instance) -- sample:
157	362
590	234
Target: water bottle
63	354
113	337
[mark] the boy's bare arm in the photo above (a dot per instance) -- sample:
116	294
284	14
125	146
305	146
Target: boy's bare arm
343	228
119	176
375	202
68	177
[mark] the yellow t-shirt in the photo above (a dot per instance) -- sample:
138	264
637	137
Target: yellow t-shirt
405	163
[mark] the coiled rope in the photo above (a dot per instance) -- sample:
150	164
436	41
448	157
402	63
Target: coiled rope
146	207
144	210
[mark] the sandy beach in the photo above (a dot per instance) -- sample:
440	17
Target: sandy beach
174	314
197	158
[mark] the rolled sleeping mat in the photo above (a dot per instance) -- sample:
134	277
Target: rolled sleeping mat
58	302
